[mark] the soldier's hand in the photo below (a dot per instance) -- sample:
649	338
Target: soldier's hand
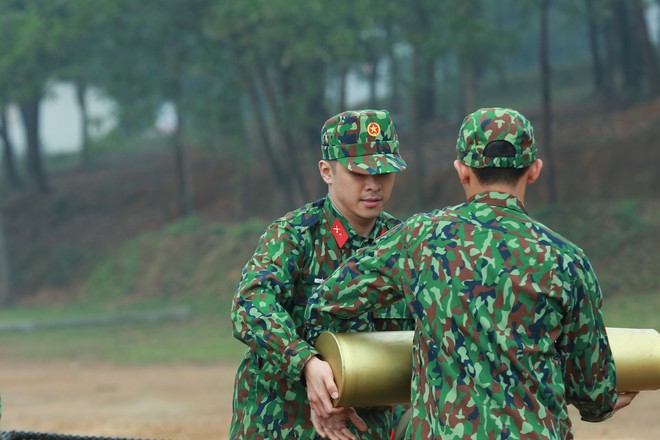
335	428
624	399
321	387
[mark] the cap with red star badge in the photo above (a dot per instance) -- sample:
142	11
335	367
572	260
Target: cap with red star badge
364	141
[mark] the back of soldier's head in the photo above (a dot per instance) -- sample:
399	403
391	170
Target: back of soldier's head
497	143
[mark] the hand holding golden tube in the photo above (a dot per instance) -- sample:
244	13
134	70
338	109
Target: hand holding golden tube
373	369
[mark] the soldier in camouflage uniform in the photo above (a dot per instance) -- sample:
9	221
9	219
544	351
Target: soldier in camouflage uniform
360	154
509	328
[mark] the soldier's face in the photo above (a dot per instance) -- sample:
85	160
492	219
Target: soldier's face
359	197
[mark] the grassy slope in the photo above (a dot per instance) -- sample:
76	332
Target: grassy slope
186	264
197	264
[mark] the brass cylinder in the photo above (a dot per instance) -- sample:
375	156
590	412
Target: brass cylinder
637	358
375	368
370	368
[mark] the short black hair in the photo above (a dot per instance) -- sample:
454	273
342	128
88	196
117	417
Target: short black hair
491	175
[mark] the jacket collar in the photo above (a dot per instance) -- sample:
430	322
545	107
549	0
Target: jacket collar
495	198
341	229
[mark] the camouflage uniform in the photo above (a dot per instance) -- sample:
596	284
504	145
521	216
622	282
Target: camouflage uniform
293	256
508	323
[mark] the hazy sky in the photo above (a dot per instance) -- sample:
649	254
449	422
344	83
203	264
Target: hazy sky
60	120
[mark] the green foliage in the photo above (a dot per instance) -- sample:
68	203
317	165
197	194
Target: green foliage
619	236
634	309
118	274
189	260
55	268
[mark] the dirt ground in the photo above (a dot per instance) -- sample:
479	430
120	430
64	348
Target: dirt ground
185	402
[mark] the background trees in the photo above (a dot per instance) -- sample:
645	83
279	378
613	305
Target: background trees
276	69
252	81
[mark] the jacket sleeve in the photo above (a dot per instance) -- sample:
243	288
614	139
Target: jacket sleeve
265	293
369	281
589	372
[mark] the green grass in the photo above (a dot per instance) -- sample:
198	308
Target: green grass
203	337
189	260
636	310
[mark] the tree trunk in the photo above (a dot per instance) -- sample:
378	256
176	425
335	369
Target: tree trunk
81	91
423	70
182	167
467	63
373	82
418	105
469	87
423	100
394	80
6	294
244	161
629	52
30	113
596	59
610	70
427	98
281	182
546	93
280	131
8	156
343	83
501	62
650	68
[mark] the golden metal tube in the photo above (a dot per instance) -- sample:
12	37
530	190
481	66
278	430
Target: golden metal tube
370	368
637	357
375	368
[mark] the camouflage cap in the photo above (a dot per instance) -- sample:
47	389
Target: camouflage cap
492	124
364	141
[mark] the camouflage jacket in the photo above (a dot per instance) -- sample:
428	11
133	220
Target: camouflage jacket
508	331
293	256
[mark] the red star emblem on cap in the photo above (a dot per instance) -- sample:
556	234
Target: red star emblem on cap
339	232
373	129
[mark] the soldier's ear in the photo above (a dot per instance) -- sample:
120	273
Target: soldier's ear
462	171
534	171
326	171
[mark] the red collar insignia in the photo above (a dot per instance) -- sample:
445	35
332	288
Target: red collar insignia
339	232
